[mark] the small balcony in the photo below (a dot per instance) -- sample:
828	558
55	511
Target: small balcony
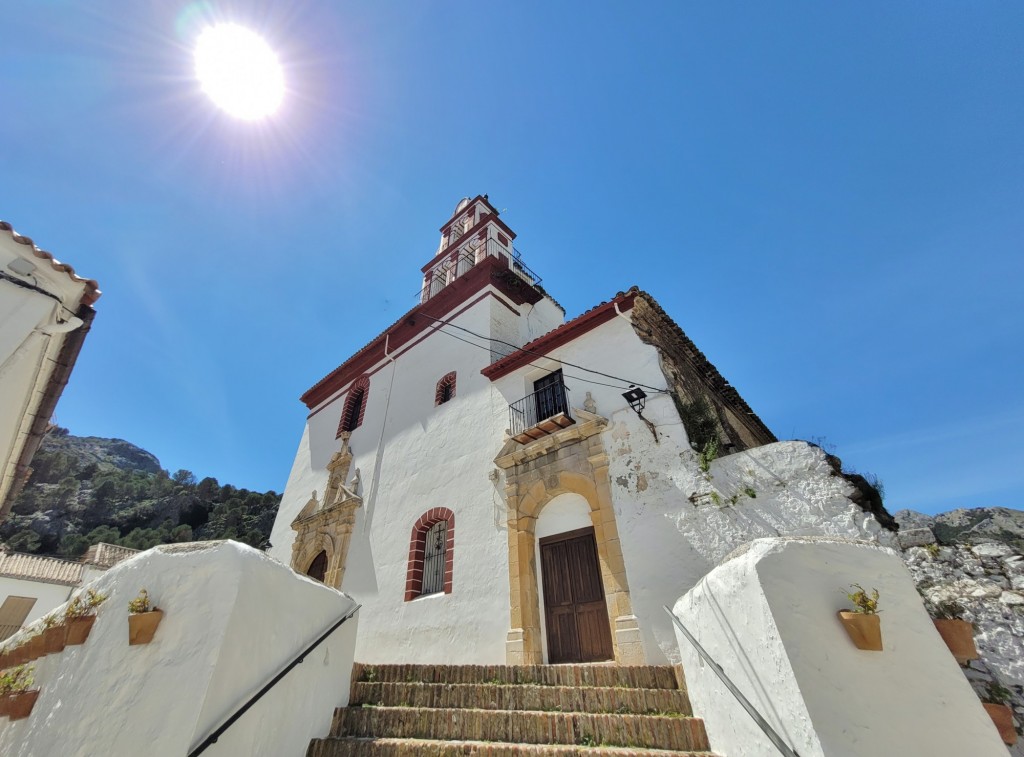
470	253
540	414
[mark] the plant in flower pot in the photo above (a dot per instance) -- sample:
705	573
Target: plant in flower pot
54	634
995	704
862	623
16	697
80	614
143	618
956	632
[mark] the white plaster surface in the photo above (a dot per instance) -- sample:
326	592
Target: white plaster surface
28	348
47	596
767	615
413	456
677	522
233	618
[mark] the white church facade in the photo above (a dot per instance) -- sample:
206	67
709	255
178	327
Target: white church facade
496	484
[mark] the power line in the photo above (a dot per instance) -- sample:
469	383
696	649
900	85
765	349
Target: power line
532	365
538	354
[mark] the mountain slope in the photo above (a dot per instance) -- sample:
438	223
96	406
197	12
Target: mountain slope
89	489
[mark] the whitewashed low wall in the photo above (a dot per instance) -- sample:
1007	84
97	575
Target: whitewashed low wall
233	618
768	616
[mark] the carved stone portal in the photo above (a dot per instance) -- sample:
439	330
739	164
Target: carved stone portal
327	526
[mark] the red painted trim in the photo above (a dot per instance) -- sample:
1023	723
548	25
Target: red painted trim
474	201
417	548
412	344
448	380
452	247
488	272
556	338
363	382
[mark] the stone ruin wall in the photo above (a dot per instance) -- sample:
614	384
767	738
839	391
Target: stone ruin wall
982	583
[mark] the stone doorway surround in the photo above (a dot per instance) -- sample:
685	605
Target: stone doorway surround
327	526
571	460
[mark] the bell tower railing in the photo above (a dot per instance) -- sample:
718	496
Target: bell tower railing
470	253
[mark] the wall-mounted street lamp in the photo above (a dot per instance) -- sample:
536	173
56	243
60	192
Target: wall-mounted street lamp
637	399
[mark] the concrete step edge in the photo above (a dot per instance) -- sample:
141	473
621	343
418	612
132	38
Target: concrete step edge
589	699
489	748
535	727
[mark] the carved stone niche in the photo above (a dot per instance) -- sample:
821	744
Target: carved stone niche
327	526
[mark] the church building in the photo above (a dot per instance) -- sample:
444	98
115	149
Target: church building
497	484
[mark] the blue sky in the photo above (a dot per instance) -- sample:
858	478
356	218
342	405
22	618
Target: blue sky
826	197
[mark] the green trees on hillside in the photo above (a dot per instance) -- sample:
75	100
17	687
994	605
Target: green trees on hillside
71	503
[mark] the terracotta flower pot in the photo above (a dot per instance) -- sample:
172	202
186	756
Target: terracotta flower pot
21	704
78	629
5	704
959	637
142	626
35	648
865	631
5	658
1002	716
15	656
54	639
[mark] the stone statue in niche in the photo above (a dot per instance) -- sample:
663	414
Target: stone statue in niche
589	405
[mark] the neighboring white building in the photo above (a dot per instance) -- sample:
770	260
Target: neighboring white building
477	479
46	312
33	585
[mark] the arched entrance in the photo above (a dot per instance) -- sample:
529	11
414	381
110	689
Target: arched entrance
525	639
318	568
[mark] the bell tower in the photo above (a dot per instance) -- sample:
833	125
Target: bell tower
473	233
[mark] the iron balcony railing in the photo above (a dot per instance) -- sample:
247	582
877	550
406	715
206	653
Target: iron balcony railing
470	253
534	409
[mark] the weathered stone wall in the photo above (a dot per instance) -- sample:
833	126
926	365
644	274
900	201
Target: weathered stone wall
982	583
691	376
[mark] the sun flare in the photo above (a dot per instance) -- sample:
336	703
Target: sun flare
239	71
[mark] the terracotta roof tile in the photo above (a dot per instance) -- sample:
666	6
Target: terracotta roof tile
37	568
106	555
92	287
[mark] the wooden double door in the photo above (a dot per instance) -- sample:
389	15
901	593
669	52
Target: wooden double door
575	612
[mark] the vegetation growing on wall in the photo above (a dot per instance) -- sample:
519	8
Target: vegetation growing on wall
84	490
699	420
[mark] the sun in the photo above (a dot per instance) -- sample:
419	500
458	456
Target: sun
239	71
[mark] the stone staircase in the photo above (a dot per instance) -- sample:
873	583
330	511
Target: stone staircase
503	710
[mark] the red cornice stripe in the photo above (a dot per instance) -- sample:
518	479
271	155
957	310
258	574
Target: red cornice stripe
564	334
490	271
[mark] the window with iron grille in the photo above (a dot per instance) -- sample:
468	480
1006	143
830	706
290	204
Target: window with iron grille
433	558
431	549
355	405
445	389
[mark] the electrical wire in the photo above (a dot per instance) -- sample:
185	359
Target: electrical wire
538	354
534	365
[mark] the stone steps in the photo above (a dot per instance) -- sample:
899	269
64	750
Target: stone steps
505	710
636	677
523	727
594	699
387	747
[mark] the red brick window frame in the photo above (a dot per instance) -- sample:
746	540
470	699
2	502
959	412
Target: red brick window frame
355	406
445	389
417	547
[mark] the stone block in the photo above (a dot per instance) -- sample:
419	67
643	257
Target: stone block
916	537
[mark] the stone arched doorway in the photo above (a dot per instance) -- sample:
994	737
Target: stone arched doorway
526	500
